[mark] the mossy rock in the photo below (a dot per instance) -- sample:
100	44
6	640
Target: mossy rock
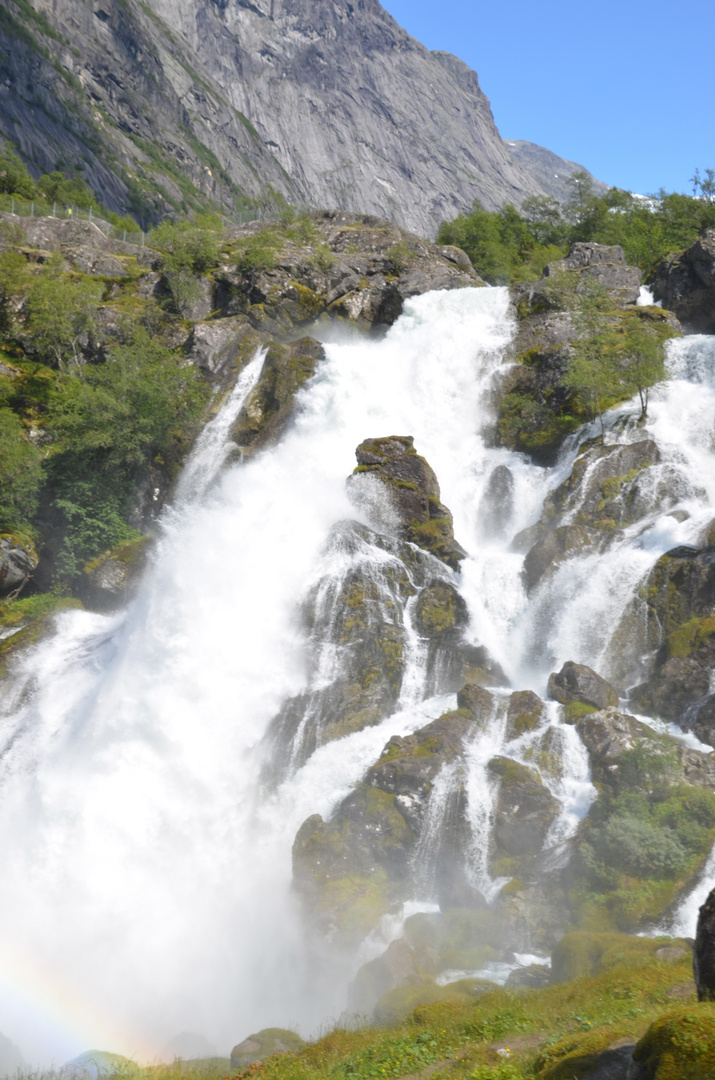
525	712
263	1044
110	579
680	1045
457	939
395	1005
440	611
603	1053
591	953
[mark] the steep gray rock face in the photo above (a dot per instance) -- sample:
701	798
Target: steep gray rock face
330	104
551	171
358	113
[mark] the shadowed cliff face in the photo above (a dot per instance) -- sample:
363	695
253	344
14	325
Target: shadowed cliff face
330	104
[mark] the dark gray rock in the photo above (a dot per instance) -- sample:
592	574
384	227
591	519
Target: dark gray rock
414	494
704	951
18	561
685	283
211	346
579	683
525	809
525	712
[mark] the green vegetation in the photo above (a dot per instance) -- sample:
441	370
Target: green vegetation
54	188
630	995
641	847
508	246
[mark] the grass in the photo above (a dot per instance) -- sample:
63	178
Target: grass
551	1033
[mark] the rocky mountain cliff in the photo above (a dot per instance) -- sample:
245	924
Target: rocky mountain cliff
331	105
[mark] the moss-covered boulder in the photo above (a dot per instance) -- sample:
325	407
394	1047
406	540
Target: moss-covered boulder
111	578
680	686
680	1045
583	952
525	809
269	406
263	1044
440	612
396	967
457	939
395	1005
525	712
413	492
351	870
581	690
681	587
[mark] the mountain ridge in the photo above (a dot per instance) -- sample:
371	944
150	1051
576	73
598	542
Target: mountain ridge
171	106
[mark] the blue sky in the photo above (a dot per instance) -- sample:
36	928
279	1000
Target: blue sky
623	88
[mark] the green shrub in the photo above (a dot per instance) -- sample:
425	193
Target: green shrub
20	472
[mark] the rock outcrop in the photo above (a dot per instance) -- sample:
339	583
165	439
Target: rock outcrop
685	283
413	493
580	686
536	408
264	1044
704	950
18	561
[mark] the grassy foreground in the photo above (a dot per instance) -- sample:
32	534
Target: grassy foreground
637	990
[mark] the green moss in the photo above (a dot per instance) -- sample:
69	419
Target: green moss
591	953
680	1045
687	638
516	885
573	711
132	553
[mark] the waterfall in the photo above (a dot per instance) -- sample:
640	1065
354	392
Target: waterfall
146	884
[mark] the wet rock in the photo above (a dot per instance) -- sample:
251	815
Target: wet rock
414	494
461	939
263	1044
525	809
535	914
480	667
497	503
476	701
579	685
685	283
554	548
611	738
680	587
18	561
396	967
409	764
440	612
525	712
704	950
534	977
680	687
269	406
111	579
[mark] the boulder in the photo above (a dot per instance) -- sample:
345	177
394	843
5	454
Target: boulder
579	685
704	950
685	283
263	1044
602	263
649	756
396	967
111	578
414	494
212	346
679	688
524	713
18	561
269	406
666	1049
476	701
525	809
440	612
680	587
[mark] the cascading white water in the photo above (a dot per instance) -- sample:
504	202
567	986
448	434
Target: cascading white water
146	875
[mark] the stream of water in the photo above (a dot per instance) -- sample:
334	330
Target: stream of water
146	873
